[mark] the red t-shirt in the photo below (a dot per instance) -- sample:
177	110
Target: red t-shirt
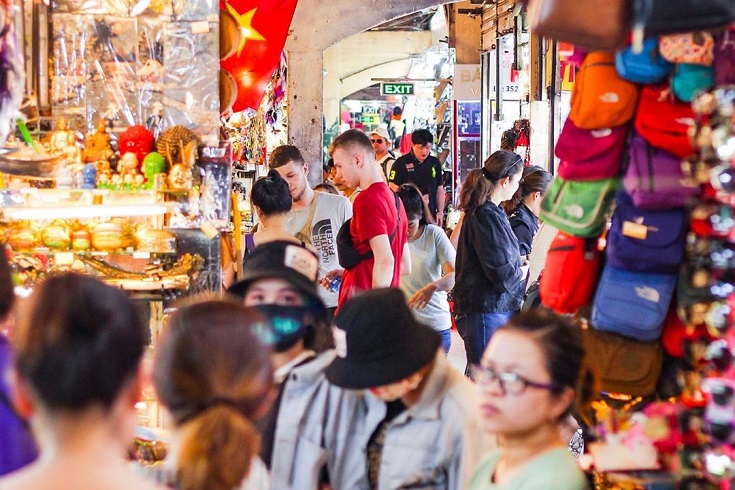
373	214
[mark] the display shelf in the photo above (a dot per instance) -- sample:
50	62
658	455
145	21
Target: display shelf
49	212
136	254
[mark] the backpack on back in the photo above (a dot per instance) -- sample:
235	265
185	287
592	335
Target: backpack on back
664	122
654	178
645	241
570	273
600	98
590	154
633	304
579	208
648	66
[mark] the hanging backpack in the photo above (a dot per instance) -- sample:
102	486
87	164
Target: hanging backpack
663	122
648	66
570	273
654	178
689	79
689	47
590	154
600	98
633	304
645	241
579	208
724	57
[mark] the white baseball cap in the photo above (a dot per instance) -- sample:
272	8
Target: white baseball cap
382	132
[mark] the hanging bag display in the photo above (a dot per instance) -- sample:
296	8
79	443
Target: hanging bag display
645	241
592	24
688	80
664	122
590	154
600	98
633	304
570	273
696	48
623	365
579	208
647	66
654	178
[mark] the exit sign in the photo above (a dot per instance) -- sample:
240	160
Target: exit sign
396	88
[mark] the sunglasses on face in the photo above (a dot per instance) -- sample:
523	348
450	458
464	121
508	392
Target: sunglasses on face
377	140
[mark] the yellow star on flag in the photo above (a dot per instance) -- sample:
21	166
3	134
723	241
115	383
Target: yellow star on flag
245	21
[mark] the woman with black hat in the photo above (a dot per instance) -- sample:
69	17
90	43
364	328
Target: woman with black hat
280	281
420	426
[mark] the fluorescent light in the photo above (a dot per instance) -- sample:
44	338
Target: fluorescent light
81	212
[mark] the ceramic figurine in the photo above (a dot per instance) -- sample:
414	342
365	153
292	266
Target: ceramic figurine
153	164
128	164
136	139
89	176
180	178
99	148
64	143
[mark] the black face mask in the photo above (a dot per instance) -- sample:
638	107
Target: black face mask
289	324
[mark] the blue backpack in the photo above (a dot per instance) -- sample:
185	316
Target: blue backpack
633	304
688	79
648	66
645	241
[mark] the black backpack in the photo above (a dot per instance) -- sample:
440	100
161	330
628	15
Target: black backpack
348	256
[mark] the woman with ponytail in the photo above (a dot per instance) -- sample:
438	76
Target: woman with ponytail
533	375
524	207
490	276
214	376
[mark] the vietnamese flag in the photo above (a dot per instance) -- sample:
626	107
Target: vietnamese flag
264	26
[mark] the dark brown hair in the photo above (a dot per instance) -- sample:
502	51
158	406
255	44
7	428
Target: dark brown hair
480	183
414	204
327	187
7	294
214	374
285	154
350	139
78	341
535	179
563	349
271	194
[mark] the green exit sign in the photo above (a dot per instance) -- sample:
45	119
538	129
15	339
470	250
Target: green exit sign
396	88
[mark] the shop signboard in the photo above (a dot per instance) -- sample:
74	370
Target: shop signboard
396	88
467	82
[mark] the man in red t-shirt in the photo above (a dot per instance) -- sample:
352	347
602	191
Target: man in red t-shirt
376	223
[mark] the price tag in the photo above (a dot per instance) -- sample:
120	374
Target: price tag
210	230
635	230
141	255
64	258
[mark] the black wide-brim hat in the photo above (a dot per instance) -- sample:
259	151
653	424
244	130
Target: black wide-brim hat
379	342
280	260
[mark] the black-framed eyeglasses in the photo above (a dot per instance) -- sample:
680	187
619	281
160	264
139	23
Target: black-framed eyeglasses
510	383
377	140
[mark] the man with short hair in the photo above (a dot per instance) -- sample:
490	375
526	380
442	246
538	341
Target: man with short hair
315	217
379	228
422	169
384	157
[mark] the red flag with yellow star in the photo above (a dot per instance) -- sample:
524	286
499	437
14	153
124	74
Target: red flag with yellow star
263	26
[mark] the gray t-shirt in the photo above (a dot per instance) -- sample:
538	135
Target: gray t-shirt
331	211
428	253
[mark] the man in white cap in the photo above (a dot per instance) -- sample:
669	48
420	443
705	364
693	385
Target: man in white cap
384	157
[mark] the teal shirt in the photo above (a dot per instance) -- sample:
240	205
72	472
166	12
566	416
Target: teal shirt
552	470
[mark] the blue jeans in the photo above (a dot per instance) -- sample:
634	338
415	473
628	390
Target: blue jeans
476	330
446	339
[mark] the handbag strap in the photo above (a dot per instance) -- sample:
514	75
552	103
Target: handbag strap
249	243
306	230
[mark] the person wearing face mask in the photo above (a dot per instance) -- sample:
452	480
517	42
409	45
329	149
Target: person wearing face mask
418	427
490	276
532	376
279	280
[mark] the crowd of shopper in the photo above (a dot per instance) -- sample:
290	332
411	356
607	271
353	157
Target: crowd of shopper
268	388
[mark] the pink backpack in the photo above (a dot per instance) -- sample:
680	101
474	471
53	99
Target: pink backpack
590	154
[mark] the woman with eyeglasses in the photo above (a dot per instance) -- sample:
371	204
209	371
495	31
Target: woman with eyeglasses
432	266
532	376
490	276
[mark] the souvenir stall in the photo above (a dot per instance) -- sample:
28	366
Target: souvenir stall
645	250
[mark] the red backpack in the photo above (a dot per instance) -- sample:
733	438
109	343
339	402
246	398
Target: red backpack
664	122
570	273
590	154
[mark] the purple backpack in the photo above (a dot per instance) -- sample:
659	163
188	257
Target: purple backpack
645	241
590	154
655	179
724	62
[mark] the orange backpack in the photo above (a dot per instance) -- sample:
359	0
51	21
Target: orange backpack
601	99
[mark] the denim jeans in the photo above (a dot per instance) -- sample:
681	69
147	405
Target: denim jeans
446	339
476	330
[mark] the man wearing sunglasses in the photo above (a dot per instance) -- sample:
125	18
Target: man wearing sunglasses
421	168
384	157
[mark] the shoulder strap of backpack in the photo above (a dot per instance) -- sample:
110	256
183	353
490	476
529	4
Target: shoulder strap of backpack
306	230
249	243
398	216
